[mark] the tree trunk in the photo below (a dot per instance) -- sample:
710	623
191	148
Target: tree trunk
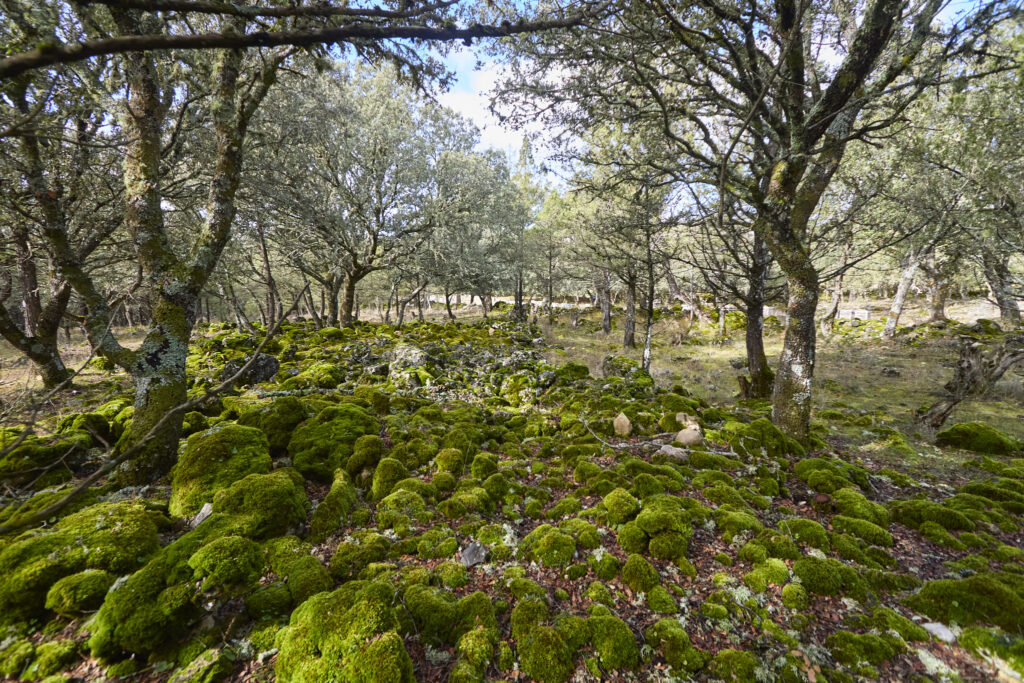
937	288
649	332
629	327
1000	280
829	320
604	291
273	304
448	304
910	264
348	299
761	376
518	308
791	397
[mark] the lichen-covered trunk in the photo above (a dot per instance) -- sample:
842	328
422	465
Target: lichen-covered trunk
791	397
348	300
1000	280
937	288
910	264
761	376
629	326
604	299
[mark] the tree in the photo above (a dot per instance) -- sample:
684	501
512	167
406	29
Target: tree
743	96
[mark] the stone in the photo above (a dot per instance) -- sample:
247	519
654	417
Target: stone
890	372
622	425
201	516
673	452
690	436
738	363
687	420
473	554
940	631
263	369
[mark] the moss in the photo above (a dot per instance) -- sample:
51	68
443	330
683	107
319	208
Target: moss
979	599
293	561
264	505
660	601
936	534
806	531
549	546
317	375
670	639
977	437
828	577
733	522
351	558
632	538
228	562
713	610
50	658
79	593
639	574
322	444
268	602
388	473
614	642
213	460
760	438
484	465
771	572
989	644
605	565
599	593
115	537
210	666
726	561
913	513
452	574
335	508
734	666
621	506
450	460
861	528
794	596
277	420
544	655
348	634
852	503
15	658
886	619
852	649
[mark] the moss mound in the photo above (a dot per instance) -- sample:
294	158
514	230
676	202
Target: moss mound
979	438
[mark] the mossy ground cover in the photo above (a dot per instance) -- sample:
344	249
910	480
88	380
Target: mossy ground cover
340	510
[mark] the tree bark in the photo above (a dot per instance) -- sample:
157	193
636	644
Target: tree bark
761	375
937	288
604	291
791	396
348	299
1000	280
629	327
911	261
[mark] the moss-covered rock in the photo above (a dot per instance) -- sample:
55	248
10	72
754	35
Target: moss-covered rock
549	546
828	577
79	593
806	531
639	574
992	598
231	563
734	666
614	642
326	442
348	634
621	506
213	460
277	420
335	508
979	438
263	505
863	529
388	473
50	658
670	639
544	655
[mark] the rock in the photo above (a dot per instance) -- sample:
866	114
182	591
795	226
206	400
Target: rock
674	453
690	436
940	631
264	368
890	372
201	516
738	363
687	420
622	425
473	554
212	666
405	356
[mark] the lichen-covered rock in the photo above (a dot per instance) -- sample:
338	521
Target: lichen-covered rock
326	442
348	634
978	437
213	460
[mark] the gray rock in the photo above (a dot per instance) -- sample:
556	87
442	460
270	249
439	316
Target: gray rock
473	554
940	631
674	453
201	516
264	368
690	436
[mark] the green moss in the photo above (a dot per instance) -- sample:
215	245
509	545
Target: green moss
326	442
660	601
979	599
913	513
269	602
806	531
277	420
544	655
733	522
670	639
639	574
484	465
213	460
852	649
771	572
852	503
388	473
977	437
599	593
229	562
713	610
50	658
317	375
989	644
352	557
760	438
605	565
614	642
335	508
452	574
621	506
862	528
632	538
115	537
734	666
828	577
936	534
15	658
348	634
293	561
549	546
794	596
210	666
79	593
450	460
263	505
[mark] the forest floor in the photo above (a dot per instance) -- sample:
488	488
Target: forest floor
322	525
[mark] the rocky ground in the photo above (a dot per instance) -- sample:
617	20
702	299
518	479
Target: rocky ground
460	502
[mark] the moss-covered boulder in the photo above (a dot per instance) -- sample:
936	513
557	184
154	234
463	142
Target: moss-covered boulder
229	563
669	638
350	634
323	444
262	505
979	438
277	420
213	460
334	509
79	593
994	598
